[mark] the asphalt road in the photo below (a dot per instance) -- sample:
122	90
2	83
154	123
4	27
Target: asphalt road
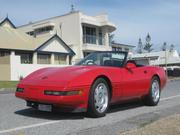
17	119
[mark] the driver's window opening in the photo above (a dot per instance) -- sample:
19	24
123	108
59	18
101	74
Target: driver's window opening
113	59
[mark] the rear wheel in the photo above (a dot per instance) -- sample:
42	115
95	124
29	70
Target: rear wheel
153	97
98	98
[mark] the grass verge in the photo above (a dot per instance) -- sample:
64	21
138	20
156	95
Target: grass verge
165	126
8	84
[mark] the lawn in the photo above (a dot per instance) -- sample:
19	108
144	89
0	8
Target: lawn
8	84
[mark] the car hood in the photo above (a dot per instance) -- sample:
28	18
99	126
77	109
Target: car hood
50	76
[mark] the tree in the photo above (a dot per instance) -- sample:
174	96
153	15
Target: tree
171	47
148	45
164	46
140	46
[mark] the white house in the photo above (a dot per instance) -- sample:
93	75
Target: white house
83	33
161	58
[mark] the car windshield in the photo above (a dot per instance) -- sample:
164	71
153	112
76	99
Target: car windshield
113	59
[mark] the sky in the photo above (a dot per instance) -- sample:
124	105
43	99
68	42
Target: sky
134	18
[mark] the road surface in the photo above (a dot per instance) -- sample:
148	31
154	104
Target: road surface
17	119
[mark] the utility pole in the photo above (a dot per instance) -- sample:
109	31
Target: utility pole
166	62
72	8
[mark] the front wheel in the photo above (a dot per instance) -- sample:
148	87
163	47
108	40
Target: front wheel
153	97
98	98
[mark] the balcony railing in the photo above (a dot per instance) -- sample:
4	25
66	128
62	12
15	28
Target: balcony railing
91	39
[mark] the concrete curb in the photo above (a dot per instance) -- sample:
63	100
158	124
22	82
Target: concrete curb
174	79
7	90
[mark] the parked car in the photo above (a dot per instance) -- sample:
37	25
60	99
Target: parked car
93	84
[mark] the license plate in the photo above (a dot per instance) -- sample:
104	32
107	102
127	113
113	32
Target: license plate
47	108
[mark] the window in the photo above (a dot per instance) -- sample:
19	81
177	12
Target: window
126	49
44	59
101	39
113	48
4	53
119	49
26	58
43	30
116	48
89	35
31	33
60	59
40	30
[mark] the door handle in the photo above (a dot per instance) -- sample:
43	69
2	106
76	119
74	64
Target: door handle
145	71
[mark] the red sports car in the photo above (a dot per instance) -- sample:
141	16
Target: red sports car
94	83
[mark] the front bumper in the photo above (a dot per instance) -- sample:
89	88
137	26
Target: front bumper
57	108
35	94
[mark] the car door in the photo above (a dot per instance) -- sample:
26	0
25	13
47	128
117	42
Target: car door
135	82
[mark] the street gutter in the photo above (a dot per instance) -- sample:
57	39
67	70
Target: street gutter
7	90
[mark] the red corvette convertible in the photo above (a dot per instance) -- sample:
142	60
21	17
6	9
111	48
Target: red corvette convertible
94	83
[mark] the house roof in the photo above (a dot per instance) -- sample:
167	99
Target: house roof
119	44
14	39
7	20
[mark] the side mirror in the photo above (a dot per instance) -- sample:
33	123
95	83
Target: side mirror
130	65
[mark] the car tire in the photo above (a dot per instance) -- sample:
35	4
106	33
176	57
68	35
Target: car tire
152	99
98	98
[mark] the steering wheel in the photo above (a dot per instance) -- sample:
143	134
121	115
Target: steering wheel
90	62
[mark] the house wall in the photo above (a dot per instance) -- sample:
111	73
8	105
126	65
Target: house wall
5	68
6	24
54	46
18	70
5	72
5	60
65	26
